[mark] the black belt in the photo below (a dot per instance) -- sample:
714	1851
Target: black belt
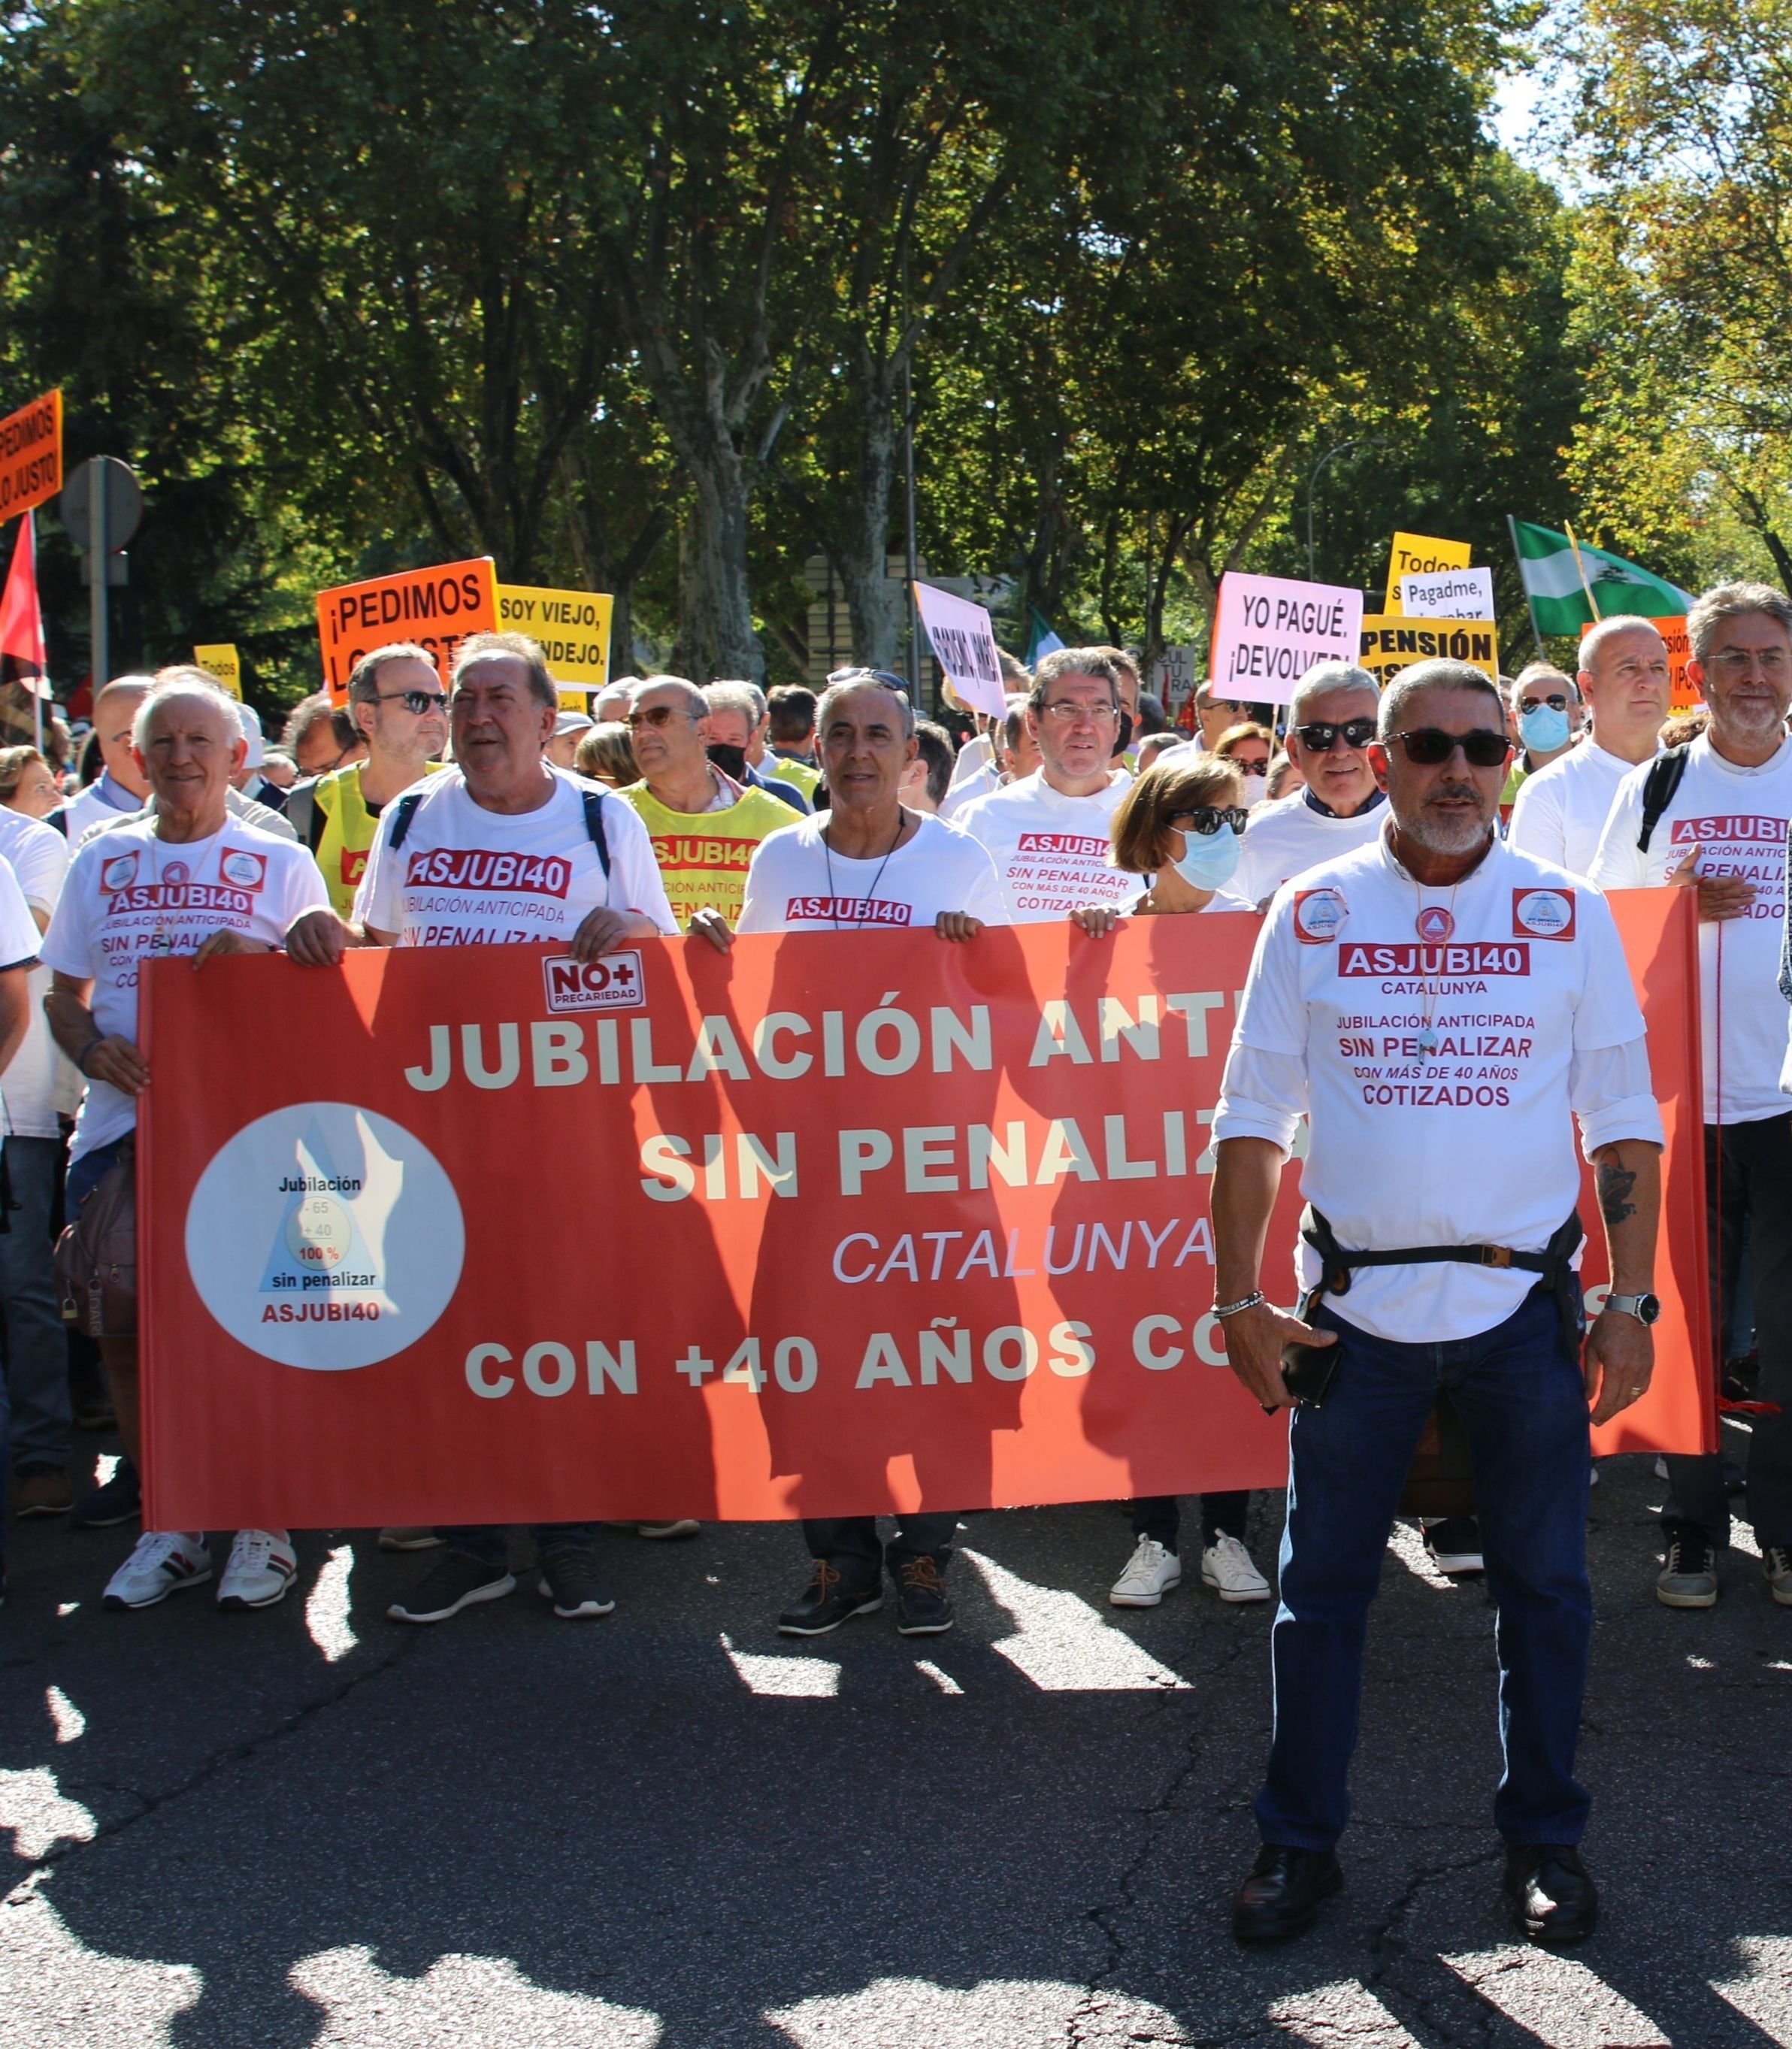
1553	1264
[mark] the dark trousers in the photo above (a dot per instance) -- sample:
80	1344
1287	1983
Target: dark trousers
1518	1390
1754	1162
1158	1515
850	1543
35	1337
489	1542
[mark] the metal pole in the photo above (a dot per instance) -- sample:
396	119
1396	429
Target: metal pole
1512	528
101	656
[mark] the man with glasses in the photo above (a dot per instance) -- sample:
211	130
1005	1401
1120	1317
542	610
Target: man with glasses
1562	810
502	847
1546	716
1330	723
1711	817
319	736
400	709
1441	1180
1048	833
703	823
1216	715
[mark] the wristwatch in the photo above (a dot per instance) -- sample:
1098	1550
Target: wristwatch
1646	1309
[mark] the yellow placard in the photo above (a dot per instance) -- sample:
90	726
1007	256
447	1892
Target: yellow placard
223	663
1418	554
574	629
1391	641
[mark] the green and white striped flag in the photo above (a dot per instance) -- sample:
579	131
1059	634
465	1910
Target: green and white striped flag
1558	601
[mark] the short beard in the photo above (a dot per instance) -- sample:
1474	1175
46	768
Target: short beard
1440	835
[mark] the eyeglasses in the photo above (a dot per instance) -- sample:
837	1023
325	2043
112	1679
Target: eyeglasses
418	702
1429	745
657	716
890	681
1066	711
1738	661
1322	735
1207	820
1556	700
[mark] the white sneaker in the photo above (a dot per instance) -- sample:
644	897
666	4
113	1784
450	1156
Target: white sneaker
1225	1567
1150	1573
163	1560
261	1568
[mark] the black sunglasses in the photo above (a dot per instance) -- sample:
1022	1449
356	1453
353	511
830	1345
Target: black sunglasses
416	701
1320	737
1429	745
1207	820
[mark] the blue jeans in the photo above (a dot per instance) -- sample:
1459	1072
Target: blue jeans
489	1542
1519	1394
36	1342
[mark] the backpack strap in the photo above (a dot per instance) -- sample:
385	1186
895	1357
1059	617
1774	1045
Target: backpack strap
59	818
404	813
1662	780
306	815
593	825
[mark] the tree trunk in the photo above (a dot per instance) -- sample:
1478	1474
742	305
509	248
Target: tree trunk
716	638
864	561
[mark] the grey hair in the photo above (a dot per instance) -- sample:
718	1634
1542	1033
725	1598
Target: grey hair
479	647
182	681
739	692
1071	662
1321	679
1417	678
746	698
835	692
695	703
1732	601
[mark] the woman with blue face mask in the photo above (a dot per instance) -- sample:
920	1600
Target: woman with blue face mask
1179	827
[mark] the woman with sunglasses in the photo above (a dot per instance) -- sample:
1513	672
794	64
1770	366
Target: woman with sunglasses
1179	827
1250	748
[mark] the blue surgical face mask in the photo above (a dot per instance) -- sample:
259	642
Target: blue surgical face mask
1543	728
1209	860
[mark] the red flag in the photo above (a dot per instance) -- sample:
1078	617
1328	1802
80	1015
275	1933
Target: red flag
22	619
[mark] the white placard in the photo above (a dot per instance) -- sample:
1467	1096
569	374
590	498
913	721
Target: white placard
964	645
1271	630
1448	594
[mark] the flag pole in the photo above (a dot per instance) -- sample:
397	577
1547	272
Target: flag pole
1592	602
1530	605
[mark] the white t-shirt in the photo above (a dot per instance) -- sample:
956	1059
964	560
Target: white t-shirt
19	944
38	856
466	876
1437	1040
1284	838
980	781
796	884
1559	812
130	896
1050	851
1736	818
102	803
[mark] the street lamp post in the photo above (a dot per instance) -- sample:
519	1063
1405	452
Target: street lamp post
1338	448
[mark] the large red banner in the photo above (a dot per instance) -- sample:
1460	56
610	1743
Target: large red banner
828	1225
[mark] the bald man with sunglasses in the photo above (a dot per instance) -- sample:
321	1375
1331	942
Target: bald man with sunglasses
1442	1010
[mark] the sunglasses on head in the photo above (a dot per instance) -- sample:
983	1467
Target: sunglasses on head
1321	735
1429	745
1207	820
888	678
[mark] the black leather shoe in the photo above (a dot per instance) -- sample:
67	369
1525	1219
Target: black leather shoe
1554	1899
827	1601
1281	1896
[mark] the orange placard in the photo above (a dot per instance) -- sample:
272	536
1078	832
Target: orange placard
437	608
1683	696
880	1222
30	455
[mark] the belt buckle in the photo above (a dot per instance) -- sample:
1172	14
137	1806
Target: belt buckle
1496	1255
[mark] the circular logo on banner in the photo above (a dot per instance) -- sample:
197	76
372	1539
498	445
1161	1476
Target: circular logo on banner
326	1237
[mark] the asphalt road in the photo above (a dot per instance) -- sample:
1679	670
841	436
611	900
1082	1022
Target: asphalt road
672	1829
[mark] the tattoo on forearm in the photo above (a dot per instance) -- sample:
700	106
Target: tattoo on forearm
1614	1185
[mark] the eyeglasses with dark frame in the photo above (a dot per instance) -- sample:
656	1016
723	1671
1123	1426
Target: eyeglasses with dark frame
1319	736
1428	746
416	702
1556	701
1207	820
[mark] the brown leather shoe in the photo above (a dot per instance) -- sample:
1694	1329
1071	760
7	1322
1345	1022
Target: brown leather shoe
42	1490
